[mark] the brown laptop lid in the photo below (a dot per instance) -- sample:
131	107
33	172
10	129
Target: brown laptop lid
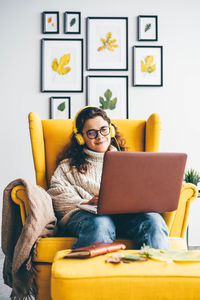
141	182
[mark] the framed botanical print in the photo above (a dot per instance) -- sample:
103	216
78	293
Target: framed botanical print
147	28
148	65
50	22
62	65
107	43
109	93
72	22
60	108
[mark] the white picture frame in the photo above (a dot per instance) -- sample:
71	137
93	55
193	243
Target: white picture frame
50	22
60	108
147	28
62	65
72	22
148	66
107	43
109	93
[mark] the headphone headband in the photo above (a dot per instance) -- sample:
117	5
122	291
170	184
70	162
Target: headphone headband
76	116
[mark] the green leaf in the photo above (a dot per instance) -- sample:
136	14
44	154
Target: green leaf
130	257
101	100
103	103
61	106
107	103
111	106
108	94
192	176
113	103
170	254
147	27
73	21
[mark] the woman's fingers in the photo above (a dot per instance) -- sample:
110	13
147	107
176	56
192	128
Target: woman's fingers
85	202
92	201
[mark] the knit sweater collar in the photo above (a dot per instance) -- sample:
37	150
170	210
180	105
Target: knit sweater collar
98	156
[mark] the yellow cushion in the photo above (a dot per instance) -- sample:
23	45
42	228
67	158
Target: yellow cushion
90	279
47	247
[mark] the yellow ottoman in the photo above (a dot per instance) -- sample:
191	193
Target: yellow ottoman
94	279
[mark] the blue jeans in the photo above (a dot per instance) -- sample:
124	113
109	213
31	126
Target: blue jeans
143	228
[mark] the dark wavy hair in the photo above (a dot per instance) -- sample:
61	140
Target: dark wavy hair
75	152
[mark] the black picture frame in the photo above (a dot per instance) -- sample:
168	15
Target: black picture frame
52	52
148	66
97	87
50	22
70	20
107	56
58	110
147	28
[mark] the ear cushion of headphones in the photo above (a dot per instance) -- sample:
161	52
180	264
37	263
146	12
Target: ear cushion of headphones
80	139
112	131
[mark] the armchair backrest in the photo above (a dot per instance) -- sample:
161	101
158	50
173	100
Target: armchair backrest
49	137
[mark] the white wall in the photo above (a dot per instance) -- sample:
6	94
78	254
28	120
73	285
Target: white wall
177	101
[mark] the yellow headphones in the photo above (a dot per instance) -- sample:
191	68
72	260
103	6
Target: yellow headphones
79	136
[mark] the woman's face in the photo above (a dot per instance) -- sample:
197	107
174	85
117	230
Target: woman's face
101	142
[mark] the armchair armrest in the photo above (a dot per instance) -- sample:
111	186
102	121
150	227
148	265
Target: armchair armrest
181	215
18	195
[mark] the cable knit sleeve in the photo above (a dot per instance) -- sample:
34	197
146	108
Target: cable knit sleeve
67	189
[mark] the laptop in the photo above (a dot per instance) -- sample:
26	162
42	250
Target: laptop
134	182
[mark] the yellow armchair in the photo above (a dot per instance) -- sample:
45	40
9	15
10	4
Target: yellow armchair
48	138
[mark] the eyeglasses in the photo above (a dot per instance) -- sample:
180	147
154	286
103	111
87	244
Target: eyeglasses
93	133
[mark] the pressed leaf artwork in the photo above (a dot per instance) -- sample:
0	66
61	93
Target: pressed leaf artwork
59	67
49	20
61	106
108	43
147	27
108	102
72	22
148	66
170	255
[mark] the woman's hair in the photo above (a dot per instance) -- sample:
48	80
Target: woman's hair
75	152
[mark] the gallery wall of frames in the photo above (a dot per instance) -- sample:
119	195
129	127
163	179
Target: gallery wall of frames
105	49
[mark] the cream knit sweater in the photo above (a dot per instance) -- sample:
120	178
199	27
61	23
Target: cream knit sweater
68	187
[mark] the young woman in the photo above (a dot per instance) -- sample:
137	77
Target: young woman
77	180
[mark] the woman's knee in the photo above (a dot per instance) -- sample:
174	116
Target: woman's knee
103	224
157	232
156	221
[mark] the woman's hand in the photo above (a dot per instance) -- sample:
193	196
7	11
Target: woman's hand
92	201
